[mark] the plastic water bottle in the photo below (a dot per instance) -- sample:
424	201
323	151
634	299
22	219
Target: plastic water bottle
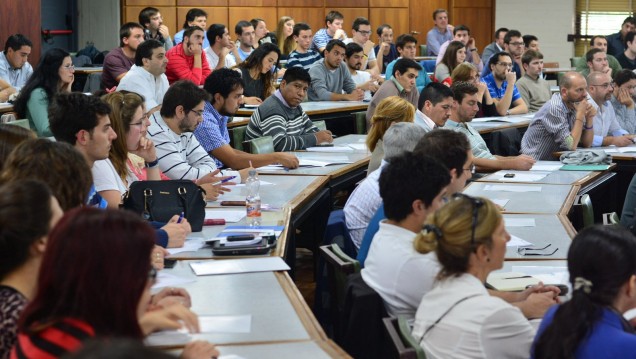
253	199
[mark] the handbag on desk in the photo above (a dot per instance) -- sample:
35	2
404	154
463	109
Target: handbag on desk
160	200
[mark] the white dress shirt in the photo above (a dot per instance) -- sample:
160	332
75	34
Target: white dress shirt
362	204
213	59
142	82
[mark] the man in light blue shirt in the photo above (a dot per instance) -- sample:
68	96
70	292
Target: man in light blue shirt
607	131
14	67
439	34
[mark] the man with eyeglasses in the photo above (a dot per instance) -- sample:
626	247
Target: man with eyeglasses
461	33
361	31
627	58
564	123
501	85
514	46
607	131
434	106
120	60
179	153
623	100
534	90
465	109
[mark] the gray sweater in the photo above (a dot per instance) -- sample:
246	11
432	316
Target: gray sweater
324	82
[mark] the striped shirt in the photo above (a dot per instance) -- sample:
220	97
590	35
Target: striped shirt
477	144
320	40
290	127
306	60
212	133
550	130
54	341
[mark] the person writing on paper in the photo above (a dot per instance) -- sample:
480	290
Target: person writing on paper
81	292
607	131
602	263
225	88
564	123
464	110
458	317
282	117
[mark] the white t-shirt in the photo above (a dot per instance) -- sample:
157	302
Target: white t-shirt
213	59
106	178
361	77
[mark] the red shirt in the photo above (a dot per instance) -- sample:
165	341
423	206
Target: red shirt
54	341
181	66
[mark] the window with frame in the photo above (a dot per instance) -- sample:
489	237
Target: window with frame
599	17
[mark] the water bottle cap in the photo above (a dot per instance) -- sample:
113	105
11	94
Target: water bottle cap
251	173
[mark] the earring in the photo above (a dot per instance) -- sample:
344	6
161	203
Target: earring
487	259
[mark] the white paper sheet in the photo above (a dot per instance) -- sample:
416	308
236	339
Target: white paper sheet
225	323
518	242
358	146
519	176
230	215
511	188
230	266
170	280
263	183
167	338
329	149
508	119
190	245
519	222
546	166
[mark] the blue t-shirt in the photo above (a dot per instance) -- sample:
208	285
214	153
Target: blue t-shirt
498	93
421	81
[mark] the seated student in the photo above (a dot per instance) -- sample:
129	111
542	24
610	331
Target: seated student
385	51
22	244
219	52
119	60
412	187
257	74
563	123
439	34
434	107
461	114
11	136
607	131
365	198
501	84
246	39
390	111
147	76
402	83
627	58
453	150
331	77
15	69
495	46
513	46
188	61
531	42
261	33
602	263
598	42
194	17
303	55
225	88
281	116
534	90
332	31
114	175
454	55
461	33
407	47
458	317
353	58
361	32
622	99
154	28
597	61
284	32
468	73
53	75
179	153
82	294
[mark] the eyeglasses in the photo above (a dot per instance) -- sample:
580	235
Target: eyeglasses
477	204
471	169
605	85
198	113
529	251
516	43
365	32
505	64
69	67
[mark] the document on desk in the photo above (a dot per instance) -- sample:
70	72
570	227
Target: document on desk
620	149
546	166
518	242
511	188
170	280
329	149
358	146
509	119
229	215
190	245
232	266
519	222
225	323
501	202
519	176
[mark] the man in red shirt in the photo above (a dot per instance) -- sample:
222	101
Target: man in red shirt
187	60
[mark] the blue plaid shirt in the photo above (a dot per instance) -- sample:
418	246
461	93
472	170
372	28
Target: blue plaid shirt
212	133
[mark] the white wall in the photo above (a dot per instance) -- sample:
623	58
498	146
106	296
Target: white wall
98	22
549	20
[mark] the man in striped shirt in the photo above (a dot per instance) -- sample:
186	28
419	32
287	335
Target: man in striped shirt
563	123
281	116
303	56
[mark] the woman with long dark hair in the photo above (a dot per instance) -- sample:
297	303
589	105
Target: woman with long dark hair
257	74
602	266
54	74
455	54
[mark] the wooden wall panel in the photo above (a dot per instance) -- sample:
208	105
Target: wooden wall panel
397	18
479	21
306	3
314	17
259	3
247	13
169	15
338	4
473	3
198	3
153	3
216	15
388	3
421	16
22	17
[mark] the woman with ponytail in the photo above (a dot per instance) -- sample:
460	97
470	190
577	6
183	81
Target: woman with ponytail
458	318
602	266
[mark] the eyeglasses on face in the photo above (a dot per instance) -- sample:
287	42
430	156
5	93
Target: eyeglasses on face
505	64
471	169
198	113
477	203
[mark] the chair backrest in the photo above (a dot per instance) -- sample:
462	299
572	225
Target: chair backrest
574	61
587	211
263	144
321	125
423	50
237	136
404	344
551	65
611	219
428	65
360	121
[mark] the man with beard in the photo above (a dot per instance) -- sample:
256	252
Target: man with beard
354	56
465	109
501	85
147	76
179	153
329	78
563	123
154	28
607	131
225	88
514	46
120	60
281	116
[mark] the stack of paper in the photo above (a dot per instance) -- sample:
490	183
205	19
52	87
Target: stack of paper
232	266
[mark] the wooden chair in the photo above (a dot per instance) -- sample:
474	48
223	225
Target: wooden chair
263	144
403	342
423	50
237	137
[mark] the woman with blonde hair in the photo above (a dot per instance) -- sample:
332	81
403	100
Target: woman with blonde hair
284	32
392	109
458	318
467	72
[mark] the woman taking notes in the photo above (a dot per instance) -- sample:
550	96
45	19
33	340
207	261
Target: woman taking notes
458	318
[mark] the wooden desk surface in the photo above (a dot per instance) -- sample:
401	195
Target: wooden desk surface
319	107
292	350
580	178
6	107
491	124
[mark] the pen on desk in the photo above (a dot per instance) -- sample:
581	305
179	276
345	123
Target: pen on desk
180	218
224	180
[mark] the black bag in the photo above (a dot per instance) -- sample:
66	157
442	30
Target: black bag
160	200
